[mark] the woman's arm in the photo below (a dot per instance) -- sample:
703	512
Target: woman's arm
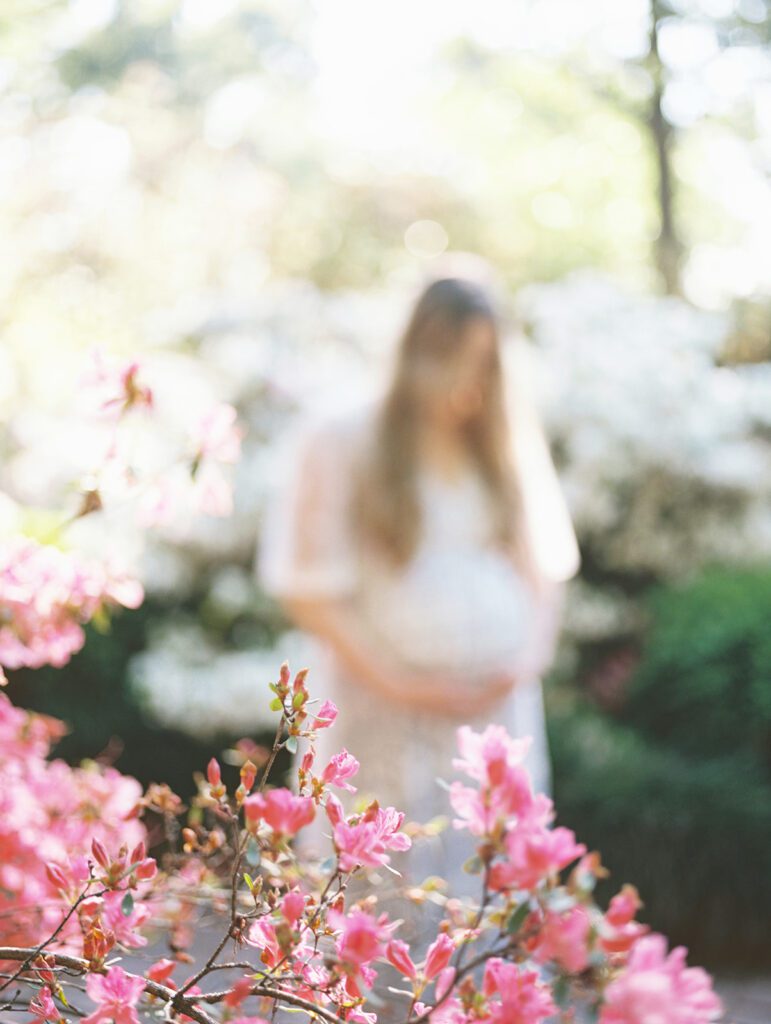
336	622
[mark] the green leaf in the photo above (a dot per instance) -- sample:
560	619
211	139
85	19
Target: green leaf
249	881
127	905
561	990
276	704
291	744
517	918
473	866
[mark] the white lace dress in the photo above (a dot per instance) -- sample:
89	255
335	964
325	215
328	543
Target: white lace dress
459	608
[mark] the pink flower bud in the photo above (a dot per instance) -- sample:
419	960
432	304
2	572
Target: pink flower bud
398	955
213	773
334	810
138	853
438	956
56	876
100	854
248	775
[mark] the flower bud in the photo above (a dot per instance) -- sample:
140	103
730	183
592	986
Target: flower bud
100	854
248	774
56	876
213	773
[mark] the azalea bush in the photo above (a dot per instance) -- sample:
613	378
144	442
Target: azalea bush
533	947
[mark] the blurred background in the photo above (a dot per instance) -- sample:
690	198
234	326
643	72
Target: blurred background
243	193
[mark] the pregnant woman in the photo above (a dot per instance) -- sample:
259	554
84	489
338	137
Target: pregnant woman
424	541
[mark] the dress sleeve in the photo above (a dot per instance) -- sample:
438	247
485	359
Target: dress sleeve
549	528
306	546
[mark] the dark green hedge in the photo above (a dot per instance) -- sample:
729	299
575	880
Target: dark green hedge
704	683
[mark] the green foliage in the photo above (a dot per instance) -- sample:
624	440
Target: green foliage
703	686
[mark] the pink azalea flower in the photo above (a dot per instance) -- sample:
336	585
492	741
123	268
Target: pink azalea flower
487	756
284	812
521	997
292	906
341	767
494	760
326	716
365	842
564	938
116	994
42	1007
619	930
47	595
125	927
262	934
361	937
534	851
658	988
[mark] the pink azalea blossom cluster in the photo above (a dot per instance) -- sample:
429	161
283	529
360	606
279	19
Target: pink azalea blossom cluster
525	953
46	596
56	825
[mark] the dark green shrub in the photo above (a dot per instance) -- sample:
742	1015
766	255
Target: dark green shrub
703	685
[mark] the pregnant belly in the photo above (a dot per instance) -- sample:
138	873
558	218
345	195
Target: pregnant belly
465	611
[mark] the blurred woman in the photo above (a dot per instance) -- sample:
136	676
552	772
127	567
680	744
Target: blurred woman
424	540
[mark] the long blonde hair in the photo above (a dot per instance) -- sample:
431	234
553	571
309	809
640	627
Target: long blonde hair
386	509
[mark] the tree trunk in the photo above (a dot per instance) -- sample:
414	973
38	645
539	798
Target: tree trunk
668	248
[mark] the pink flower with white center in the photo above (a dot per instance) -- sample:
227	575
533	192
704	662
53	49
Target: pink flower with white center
659	989
365	842
341	767
284	812
116	994
521	997
564	938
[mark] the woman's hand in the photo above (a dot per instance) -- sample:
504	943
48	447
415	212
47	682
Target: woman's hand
443	696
